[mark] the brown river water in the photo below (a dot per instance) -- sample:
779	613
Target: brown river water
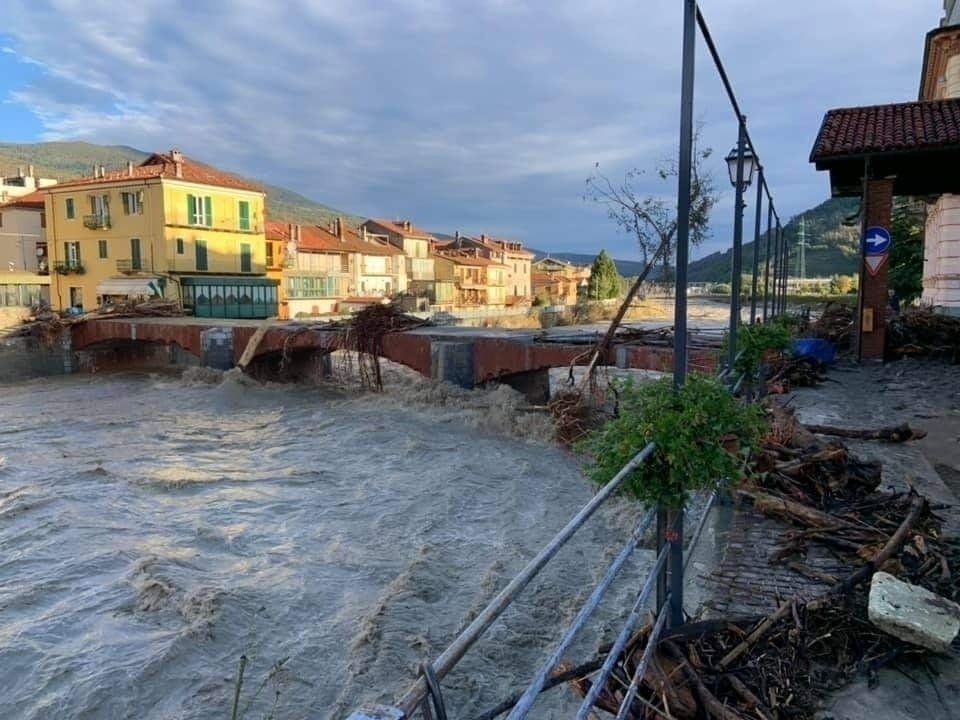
154	528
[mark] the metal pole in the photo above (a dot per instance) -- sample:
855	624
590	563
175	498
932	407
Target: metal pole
680	299
766	271
775	285
737	247
756	248
781	291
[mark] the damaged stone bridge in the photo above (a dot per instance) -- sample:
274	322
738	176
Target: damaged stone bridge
468	357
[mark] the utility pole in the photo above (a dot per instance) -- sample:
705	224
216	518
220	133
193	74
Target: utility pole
803	247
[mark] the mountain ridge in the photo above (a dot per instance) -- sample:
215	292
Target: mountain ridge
70	159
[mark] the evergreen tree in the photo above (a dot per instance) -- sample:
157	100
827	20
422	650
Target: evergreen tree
604	283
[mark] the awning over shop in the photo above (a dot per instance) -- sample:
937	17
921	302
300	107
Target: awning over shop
128	287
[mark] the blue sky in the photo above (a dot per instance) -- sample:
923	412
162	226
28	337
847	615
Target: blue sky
477	115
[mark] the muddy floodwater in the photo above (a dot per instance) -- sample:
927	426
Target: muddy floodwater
154	528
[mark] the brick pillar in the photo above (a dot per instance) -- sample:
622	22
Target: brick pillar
874	300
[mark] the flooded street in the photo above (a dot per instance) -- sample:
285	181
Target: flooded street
154	528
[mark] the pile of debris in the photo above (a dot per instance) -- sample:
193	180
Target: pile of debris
921	332
786	373
133	308
367	329
834	324
779	666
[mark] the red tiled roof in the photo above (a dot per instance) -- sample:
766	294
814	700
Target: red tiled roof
162	165
502	245
397	226
31	200
318	239
462	257
888	128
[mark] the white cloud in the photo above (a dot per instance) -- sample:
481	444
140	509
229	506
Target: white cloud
490	111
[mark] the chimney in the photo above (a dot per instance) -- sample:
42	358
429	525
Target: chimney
290	232
20	171
298	234
363	230
177	158
406	225
103	171
30	170
96	171
339	223
130	168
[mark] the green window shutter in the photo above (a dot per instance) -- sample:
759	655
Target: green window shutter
191	209
208	211
245	264
244	215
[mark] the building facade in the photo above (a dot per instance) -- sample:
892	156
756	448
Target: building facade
15	186
170	227
335	269
940	80
512	256
416	245
477	281
24	266
558	282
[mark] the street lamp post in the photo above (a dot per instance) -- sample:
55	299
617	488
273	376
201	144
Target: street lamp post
756	247
740	166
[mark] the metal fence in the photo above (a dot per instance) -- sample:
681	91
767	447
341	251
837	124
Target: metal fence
425	696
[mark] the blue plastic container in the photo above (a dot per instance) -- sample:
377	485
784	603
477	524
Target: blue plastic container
817	348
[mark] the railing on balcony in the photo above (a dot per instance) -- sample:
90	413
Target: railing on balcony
129	266
96	222
66	267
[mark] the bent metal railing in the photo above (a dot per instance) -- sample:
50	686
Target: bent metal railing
424	695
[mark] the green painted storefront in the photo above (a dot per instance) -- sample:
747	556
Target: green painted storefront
230	297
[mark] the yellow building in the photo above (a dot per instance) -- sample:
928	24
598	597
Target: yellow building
478	281
170	227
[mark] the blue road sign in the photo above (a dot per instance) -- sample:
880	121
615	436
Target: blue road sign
876	241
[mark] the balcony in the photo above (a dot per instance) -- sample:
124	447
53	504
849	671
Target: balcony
128	267
96	222
68	267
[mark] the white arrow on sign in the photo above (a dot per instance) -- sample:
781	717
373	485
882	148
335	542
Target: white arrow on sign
874	262
876	240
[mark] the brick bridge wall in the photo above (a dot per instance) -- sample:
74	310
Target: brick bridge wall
493	358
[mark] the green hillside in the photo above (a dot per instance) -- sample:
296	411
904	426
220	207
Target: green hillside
831	246
65	160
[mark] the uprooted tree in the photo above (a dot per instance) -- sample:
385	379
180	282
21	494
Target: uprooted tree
653	219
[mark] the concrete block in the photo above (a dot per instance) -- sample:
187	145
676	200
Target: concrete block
452	361
217	348
912	613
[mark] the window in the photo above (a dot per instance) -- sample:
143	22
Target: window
200	210
100	206
245	264
244	215
1	219
136	262
179	246
103	248
43	219
132	203
269	254
71	211
71	253
201	254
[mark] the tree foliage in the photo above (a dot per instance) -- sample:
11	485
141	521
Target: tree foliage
604	283
652	219
906	252
703	436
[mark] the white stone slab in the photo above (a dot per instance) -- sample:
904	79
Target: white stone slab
912	613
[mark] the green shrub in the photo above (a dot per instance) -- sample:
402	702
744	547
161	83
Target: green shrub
753	341
703	436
